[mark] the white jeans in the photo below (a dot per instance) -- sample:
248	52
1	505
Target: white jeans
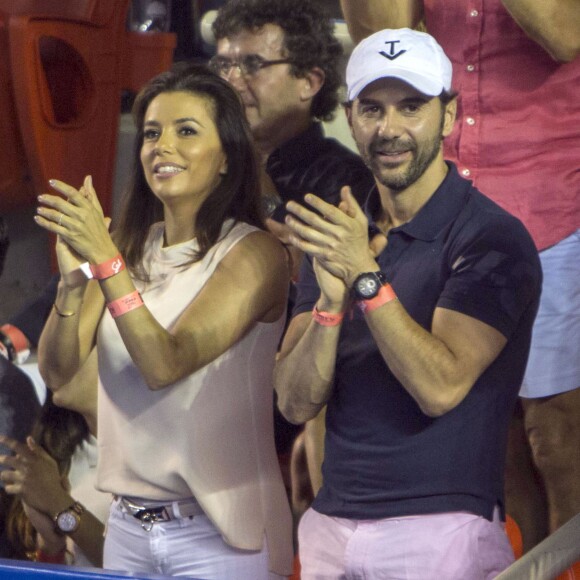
188	547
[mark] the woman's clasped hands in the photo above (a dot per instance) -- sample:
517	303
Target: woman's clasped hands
79	223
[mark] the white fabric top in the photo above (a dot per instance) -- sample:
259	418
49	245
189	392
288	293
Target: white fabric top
83	477
210	435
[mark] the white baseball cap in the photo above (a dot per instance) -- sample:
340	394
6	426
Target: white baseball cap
405	54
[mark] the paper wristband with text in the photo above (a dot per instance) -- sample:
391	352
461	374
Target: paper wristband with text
125	304
108	268
386	294
326	318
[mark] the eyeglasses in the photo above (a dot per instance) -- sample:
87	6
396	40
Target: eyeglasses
248	65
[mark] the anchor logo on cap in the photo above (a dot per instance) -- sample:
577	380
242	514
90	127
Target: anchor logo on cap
392	55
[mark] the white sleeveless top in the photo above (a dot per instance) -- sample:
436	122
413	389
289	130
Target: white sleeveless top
209	435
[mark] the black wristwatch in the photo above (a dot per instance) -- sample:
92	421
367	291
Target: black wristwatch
368	284
67	521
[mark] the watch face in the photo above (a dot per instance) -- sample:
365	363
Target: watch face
367	286
67	521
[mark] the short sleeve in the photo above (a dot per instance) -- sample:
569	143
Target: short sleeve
495	277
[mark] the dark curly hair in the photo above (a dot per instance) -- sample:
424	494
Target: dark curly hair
309	40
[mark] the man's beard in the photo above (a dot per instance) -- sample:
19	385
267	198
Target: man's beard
419	163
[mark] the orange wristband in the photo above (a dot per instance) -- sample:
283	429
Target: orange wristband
108	268
125	304
386	294
326	318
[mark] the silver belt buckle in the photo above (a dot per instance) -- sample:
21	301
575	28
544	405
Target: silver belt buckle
147	516
147	520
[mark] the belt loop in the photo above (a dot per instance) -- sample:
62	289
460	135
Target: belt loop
176	510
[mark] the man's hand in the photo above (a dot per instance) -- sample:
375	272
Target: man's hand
337	237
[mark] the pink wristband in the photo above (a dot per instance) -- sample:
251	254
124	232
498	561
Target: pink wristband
108	268
326	318
386	294
125	304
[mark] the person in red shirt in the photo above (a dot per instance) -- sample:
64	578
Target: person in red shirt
517	137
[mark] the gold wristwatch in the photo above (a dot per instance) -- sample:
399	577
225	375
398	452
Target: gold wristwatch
68	520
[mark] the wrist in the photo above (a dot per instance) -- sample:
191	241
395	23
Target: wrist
367	266
385	295
64	290
332	307
59	501
103	254
74	279
105	269
68	520
327	318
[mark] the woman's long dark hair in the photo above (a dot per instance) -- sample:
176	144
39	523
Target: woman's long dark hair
59	431
237	196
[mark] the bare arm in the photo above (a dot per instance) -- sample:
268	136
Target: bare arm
363	17
68	338
437	368
249	285
553	24
304	372
314	433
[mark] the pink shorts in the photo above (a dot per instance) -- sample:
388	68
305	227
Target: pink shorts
448	546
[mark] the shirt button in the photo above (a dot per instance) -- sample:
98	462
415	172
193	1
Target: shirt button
474	13
465	172
470	121
470	68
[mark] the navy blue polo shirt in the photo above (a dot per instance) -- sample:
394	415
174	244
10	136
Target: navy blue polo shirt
383	456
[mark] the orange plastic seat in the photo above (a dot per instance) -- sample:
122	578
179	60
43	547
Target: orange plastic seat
572	573
69	62
15	186
296	569
515	536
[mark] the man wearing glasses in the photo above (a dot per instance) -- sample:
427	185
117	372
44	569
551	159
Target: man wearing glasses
283	59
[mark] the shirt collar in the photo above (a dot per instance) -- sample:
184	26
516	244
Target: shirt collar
441	208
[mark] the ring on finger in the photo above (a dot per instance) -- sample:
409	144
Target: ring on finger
60	219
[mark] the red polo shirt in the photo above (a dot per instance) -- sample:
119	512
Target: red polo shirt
518	130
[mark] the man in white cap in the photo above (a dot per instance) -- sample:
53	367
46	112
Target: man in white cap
517	67
412	323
